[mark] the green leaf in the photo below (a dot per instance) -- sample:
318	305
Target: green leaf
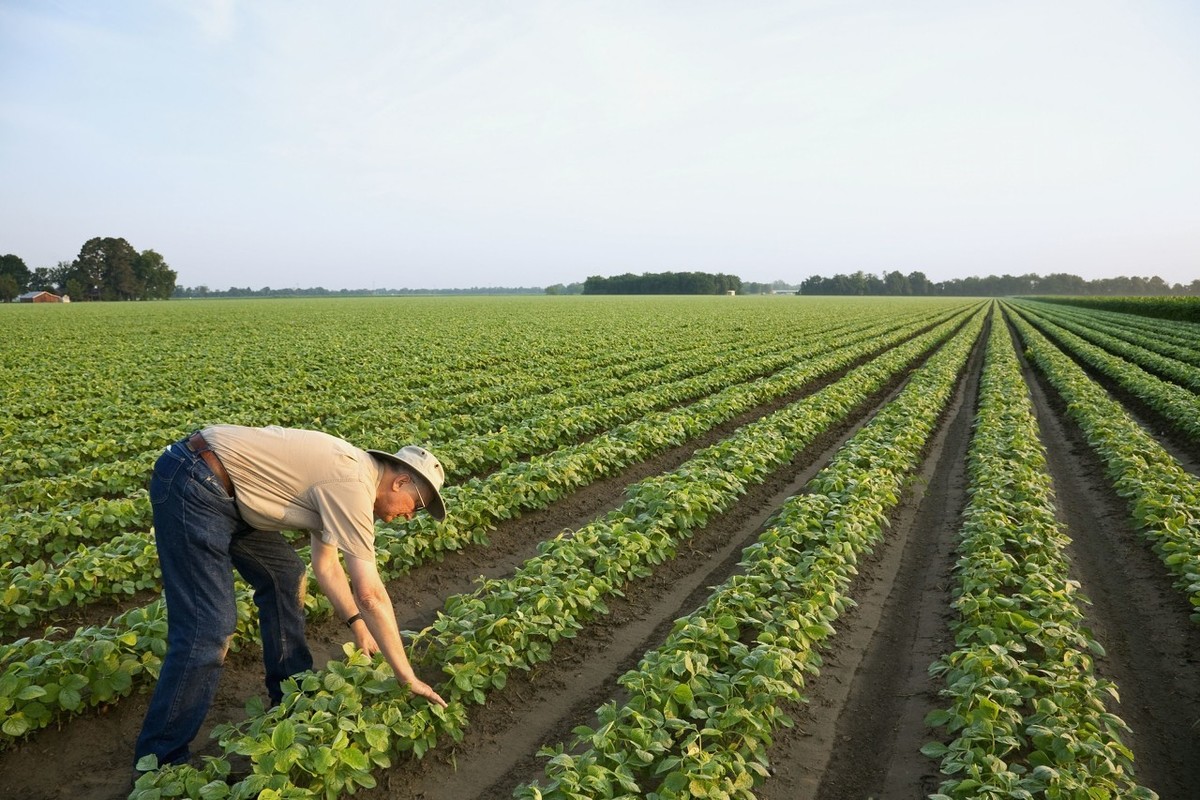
283	735
683	694
31	693
70	699
356	759
675	782
377	738
147	763
214	790
935	750
938	717
16	725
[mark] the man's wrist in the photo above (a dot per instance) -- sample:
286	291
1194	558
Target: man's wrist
350	622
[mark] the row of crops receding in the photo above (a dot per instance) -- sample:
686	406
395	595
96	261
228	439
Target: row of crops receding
530	400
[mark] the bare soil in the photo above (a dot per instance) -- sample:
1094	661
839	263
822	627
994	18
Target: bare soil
859	733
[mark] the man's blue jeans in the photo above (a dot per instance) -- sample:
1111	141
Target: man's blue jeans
200	539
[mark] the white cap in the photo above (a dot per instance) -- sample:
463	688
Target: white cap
427	467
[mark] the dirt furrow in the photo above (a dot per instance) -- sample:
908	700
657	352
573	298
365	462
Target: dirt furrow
544	706
859	734
1153	648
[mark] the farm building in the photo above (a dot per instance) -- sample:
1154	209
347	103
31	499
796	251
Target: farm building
39	297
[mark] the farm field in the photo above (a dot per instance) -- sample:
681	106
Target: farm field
772	547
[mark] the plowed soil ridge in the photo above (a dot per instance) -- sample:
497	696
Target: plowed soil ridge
1153	648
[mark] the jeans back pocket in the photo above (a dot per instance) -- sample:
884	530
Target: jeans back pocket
165	470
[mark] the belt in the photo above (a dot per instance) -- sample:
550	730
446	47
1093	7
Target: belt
197	445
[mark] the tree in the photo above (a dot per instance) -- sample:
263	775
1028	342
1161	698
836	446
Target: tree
1061	283
814	284
14	267
663	283
111	269
156	279
59	276
42	281
8	288
918	284
896	284
858	283
104	268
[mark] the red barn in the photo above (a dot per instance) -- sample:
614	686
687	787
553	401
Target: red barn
39	297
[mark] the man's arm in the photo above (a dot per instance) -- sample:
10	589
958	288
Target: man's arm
369	598
327	568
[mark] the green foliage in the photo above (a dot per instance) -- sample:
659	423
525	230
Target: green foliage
536	459
1131	346
14	276
1162	496
514	623
9	288
1176	404
1177	341
108	268
1027	712
702	707
663	283
1183	309
525	413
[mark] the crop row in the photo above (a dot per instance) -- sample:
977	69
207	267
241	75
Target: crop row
63	473
1132	347
36	670
158	382
1161	495
1151	334
1184	334
60	525
340	724
1185	309
1175	404
482	362
128	564
1027	712
564	416
703	707
66	473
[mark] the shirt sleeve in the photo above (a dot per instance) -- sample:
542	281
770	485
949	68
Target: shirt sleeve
347	517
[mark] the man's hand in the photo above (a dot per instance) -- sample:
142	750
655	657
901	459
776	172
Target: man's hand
419	687
365	641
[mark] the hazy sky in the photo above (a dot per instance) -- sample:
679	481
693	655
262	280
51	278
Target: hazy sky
457	144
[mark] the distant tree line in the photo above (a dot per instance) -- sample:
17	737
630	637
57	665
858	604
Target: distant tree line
663	283
191	292
111	269
570	288
1061	283
105	269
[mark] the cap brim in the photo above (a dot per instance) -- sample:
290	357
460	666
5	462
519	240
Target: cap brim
436	506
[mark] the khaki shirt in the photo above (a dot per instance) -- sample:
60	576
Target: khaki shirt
290	479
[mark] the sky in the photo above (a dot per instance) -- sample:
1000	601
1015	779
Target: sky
395	144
